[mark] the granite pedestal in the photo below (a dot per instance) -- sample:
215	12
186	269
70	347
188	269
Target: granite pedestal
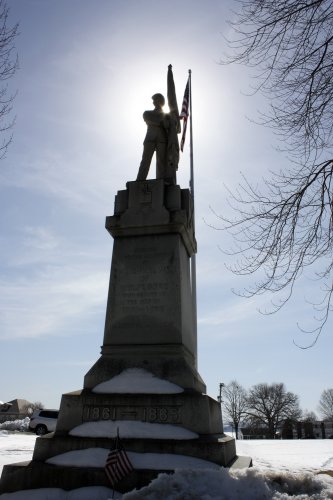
150	336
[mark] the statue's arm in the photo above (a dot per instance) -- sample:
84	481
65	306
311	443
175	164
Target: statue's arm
153	118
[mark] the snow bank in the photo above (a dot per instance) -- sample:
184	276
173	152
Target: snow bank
132	429
96	457
137	381
250	484
16	425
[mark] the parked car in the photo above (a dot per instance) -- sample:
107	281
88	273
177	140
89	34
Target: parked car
43	421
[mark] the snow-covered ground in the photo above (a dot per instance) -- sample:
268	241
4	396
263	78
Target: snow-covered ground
282	469
15	447
296	455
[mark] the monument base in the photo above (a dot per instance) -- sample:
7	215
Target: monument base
35	474
183	428
146	383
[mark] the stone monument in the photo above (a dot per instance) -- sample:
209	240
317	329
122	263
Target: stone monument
146	382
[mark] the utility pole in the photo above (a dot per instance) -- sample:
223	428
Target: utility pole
219	398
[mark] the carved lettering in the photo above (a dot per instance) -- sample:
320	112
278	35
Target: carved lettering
163	414
153	414
135	298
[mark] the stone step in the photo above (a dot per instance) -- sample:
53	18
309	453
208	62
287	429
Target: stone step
35	474
218	449
240	462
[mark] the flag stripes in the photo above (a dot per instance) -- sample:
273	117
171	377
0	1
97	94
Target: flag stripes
117	465
185	112
186	101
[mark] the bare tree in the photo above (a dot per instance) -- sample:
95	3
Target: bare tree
28	409
286	225
326	404
290	43
234	403
270	405
8	67
309	416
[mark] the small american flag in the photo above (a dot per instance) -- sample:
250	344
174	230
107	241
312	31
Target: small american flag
185	112
117	464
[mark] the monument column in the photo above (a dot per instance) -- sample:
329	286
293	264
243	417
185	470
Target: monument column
149	317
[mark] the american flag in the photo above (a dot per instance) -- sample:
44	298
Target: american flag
185	112
117	464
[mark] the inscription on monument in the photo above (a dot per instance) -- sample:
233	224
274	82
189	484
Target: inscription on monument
136	298
146	194
147	285
153	414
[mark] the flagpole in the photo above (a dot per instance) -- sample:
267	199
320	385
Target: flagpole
193	258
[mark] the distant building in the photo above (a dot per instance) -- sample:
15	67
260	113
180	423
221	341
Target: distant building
291	429
307	430
13	410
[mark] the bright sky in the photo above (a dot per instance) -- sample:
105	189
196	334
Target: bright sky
87	72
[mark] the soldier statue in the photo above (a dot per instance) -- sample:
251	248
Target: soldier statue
161	137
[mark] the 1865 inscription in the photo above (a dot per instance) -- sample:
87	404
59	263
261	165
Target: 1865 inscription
157	414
